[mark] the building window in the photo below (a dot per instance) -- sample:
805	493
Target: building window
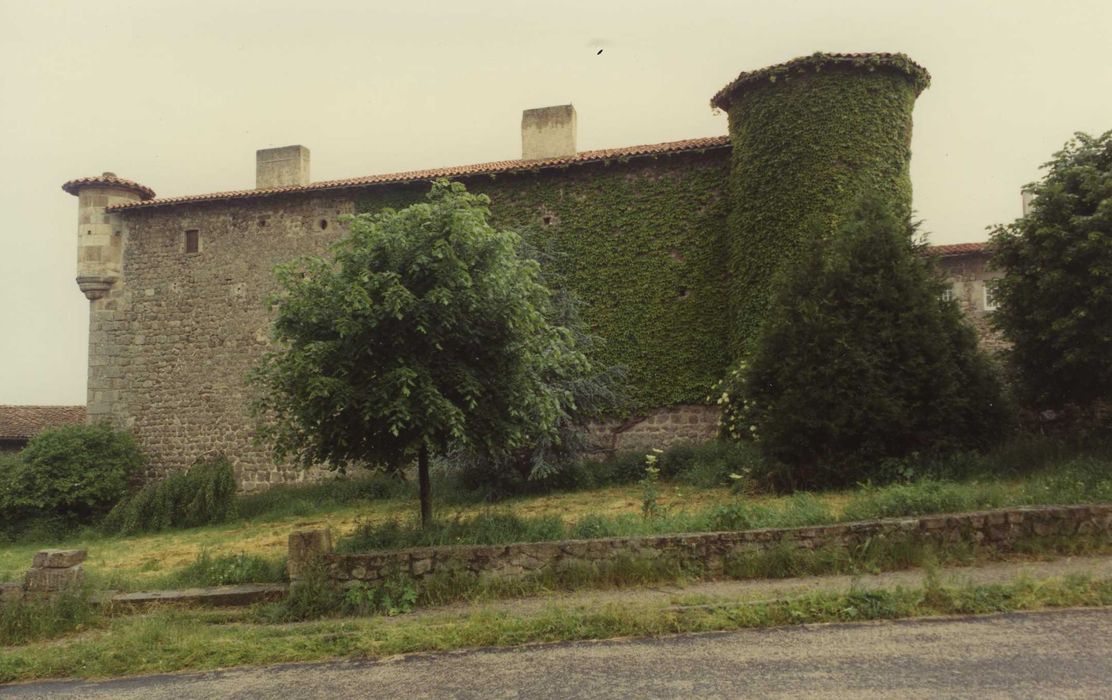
192	241
990	295
948	294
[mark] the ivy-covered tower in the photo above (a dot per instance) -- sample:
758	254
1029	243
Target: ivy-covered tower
809	136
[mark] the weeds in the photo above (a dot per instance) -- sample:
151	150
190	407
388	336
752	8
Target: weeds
208	570
169	641
27	621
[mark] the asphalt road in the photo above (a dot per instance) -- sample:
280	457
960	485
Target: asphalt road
1063	654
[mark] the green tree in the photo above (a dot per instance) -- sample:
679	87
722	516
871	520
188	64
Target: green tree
860	361
1055	299
587	393
424	332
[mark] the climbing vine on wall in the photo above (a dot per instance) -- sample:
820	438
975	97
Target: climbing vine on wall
807	141
641	243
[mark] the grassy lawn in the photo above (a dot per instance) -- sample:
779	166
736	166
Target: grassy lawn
173	640
373	514
132	563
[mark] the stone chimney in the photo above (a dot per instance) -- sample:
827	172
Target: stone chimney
1027	196
548	132
281	167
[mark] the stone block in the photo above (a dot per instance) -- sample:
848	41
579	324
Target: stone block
53	580
58	558
305	546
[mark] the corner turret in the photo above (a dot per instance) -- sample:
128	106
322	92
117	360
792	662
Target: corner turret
809	137
99	233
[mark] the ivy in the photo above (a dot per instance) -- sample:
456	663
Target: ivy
641	244
805	146
675	255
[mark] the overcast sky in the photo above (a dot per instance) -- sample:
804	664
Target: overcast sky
178	95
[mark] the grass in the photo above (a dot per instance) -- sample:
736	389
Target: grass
176	640
380	511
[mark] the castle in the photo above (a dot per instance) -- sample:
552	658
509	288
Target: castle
671	245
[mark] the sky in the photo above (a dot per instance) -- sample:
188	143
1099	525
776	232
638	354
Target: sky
178	95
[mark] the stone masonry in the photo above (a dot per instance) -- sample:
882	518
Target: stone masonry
52	571
1001	529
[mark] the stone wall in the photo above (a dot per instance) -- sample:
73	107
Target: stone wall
968	274
174	341
661	428
1001	529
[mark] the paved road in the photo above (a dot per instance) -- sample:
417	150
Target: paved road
1063	654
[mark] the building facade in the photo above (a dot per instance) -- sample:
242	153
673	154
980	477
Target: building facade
671	245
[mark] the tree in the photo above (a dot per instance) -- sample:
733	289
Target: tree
587	393
424	332
861	361
1055	299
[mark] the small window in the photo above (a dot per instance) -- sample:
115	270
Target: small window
991	301
948	294
192	241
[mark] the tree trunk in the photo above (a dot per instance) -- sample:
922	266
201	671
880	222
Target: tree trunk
423	478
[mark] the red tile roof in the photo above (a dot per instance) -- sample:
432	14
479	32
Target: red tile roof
494	168
27	421
956	249
818	61
74	186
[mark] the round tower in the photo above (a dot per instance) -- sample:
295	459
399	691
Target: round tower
809	137
100	239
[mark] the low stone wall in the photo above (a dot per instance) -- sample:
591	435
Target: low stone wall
1000	529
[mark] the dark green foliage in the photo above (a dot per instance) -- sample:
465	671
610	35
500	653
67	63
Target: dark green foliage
202	495
702	465
641	246
807	142
73	474
425	332
1055	300
311	498
585	396
861	362
229	569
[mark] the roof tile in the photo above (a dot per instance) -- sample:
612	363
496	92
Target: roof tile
818	61
493	168
27	421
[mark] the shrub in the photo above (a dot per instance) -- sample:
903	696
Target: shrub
73	473
202	495
861	361
1055	299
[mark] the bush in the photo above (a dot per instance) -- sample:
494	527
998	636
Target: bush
860	361
72	474
1055	299
202	495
